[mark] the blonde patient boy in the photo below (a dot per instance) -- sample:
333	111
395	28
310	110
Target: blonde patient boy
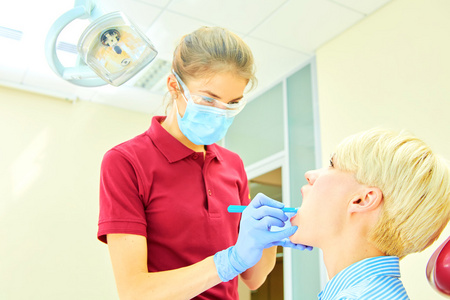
385	195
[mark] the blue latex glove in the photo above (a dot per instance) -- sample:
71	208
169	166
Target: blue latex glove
254	236
287	242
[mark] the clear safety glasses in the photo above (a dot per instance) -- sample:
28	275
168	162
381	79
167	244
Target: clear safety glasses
228	109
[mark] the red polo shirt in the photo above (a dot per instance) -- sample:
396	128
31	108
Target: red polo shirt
154	186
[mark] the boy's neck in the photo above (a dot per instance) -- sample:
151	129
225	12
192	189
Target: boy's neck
337	259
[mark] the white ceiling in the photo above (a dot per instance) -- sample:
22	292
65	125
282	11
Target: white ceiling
283	34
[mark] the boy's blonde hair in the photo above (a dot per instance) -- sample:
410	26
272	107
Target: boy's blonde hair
211	50
415	183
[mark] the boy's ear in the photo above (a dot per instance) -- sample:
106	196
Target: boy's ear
369	199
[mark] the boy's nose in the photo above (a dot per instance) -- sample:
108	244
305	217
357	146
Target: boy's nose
311	176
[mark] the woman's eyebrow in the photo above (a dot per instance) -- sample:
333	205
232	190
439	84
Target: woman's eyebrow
218	97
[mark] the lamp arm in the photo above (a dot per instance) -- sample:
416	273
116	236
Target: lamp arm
53	33
78	12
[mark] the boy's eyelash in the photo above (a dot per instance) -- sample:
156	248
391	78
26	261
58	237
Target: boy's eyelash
331	163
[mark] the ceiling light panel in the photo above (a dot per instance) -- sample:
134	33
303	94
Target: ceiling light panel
10	33
155	76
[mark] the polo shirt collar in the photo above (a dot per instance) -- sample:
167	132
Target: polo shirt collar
360	271
213	151
170	147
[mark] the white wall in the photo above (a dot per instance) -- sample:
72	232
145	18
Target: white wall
50	155
392	69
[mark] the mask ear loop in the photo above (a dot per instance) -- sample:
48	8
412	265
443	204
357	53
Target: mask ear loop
174	98
181	86
176	104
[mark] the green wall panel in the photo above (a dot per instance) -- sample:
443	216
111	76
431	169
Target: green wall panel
257	132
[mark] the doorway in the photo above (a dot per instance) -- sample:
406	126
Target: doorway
270	184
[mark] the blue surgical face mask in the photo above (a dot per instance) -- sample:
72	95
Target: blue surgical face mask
202	125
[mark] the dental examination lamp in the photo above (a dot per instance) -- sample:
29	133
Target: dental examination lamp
110	50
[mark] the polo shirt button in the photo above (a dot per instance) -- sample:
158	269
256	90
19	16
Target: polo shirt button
195	156
209	192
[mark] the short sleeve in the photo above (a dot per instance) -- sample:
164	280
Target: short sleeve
244	192
121	207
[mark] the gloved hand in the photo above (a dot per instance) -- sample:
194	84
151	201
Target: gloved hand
254	236
287	242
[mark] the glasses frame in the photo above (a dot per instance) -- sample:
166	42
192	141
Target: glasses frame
230	110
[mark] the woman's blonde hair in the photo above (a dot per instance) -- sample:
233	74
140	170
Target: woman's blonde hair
415	183
211	50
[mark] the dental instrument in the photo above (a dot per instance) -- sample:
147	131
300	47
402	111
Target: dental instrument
240	209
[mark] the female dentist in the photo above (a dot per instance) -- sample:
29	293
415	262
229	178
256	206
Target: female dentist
164	194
